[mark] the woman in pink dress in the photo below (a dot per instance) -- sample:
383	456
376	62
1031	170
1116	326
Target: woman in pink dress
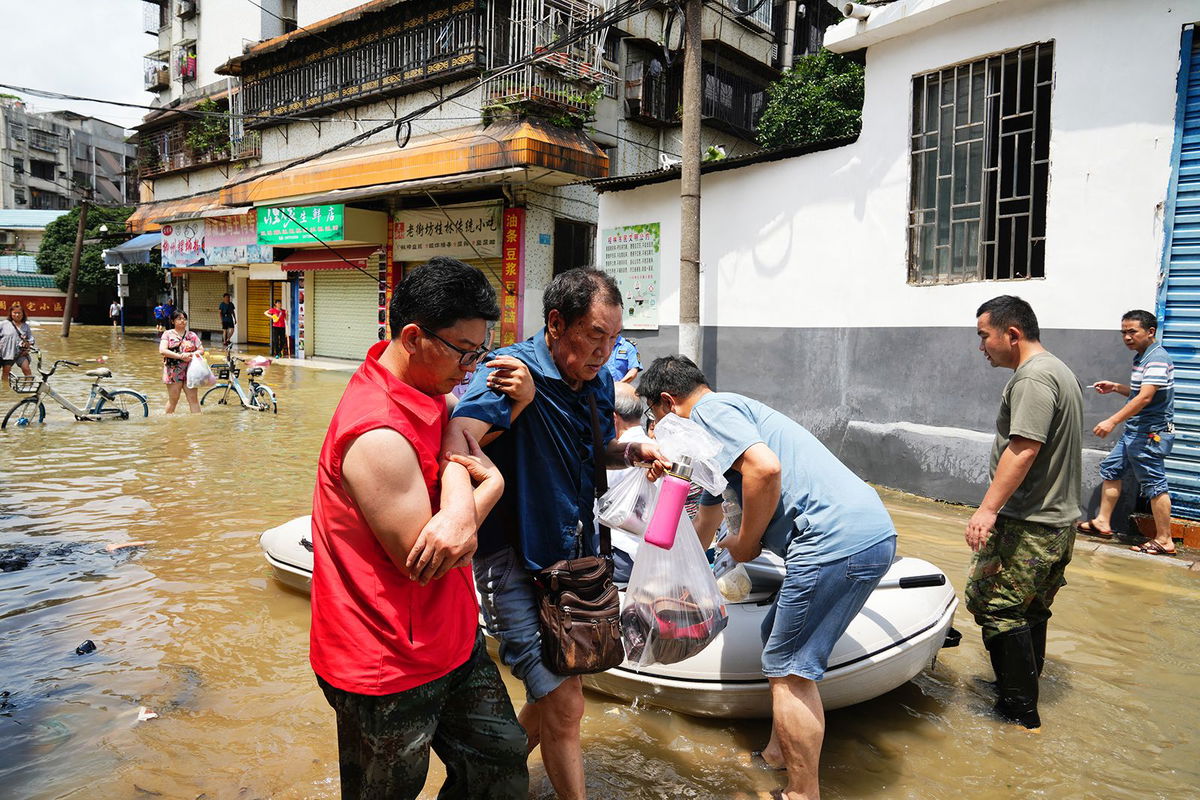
178	347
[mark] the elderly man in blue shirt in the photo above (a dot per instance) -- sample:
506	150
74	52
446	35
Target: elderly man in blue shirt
544	450
800	502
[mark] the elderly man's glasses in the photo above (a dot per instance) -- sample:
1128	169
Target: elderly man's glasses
466	358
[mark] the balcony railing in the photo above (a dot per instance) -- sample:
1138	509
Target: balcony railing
168	150
654	96
158	75
535	84
425	43
154	15
761	16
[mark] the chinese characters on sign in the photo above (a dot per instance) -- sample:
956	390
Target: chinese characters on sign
183	243
512	265
34	305
301	224
234	240
465	232
631	257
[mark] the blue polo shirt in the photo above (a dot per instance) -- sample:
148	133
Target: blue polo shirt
624	358
545	457
827	510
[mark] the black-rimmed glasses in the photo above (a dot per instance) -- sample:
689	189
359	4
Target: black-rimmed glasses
466	358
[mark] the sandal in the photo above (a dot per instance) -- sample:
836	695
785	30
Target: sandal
1089	528
1152	548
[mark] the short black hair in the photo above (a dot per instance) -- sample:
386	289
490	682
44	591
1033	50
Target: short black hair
1009	311
439	293
571	293
177	315
1148	321
225	295
678	376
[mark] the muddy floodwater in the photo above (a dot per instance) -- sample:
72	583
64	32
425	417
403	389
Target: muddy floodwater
193	627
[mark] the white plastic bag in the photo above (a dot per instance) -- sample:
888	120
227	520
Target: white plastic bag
198	373
733	581
677	437
732	578
673	608
629	502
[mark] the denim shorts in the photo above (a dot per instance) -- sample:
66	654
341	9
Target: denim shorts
1137	450
510	611
814	607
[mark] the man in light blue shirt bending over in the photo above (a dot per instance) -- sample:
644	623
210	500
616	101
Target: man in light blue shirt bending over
800	502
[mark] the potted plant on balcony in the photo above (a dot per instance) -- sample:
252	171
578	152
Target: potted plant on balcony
207	137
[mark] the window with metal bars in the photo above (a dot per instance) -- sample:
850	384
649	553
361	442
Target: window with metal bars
980	169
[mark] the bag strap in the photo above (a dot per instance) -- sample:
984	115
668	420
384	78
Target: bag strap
600	474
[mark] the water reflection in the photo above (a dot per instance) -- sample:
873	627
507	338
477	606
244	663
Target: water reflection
194	627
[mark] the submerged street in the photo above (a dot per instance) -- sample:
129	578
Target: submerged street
193	627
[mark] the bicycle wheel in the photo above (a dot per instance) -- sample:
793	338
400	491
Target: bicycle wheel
126	402
222	400
264	399
24	413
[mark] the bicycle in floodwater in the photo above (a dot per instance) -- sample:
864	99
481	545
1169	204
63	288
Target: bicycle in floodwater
101	404
260	397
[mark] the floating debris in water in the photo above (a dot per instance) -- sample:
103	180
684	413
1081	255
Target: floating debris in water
88	646
145	714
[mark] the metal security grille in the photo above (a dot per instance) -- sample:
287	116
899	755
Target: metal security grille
344	309
1179	298
980	169
204	295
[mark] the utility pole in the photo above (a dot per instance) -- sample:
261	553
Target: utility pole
689	188
70	304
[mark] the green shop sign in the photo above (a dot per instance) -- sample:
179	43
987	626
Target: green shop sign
300	224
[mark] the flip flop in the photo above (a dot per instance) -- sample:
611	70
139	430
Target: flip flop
1152	548
757	757
1089	528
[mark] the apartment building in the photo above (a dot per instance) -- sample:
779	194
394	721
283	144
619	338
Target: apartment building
293	128
51	160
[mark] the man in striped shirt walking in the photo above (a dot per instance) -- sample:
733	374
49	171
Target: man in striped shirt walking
1149	432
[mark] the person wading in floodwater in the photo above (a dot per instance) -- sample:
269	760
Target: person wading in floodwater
397	649
1023	532
544	448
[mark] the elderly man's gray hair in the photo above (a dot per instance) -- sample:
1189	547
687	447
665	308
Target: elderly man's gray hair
629	407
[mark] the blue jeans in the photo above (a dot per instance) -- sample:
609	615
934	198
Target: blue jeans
510	611
814	607
1138	451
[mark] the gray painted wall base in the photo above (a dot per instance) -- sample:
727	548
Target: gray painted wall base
908	408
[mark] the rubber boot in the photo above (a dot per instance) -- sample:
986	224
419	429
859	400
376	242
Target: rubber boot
1016	677
1038	634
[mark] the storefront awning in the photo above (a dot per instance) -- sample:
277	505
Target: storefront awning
323	258
147	216
135	251
541	153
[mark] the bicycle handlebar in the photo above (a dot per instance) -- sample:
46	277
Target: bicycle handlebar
68	363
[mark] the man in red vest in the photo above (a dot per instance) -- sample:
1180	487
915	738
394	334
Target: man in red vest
398	652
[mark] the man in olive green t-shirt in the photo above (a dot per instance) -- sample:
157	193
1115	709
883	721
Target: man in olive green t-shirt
1023	532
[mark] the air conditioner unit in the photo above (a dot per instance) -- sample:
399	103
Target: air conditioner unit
8	237
187	8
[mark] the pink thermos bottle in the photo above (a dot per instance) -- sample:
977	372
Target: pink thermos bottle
671	497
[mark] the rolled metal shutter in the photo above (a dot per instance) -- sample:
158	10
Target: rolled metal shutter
204	295
1179	297
344	313
258	300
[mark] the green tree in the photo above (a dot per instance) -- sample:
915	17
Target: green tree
820	98
54	257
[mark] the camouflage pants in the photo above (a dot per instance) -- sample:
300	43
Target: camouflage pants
465	716
1016	574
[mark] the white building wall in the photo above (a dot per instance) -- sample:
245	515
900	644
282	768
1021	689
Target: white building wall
821	240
